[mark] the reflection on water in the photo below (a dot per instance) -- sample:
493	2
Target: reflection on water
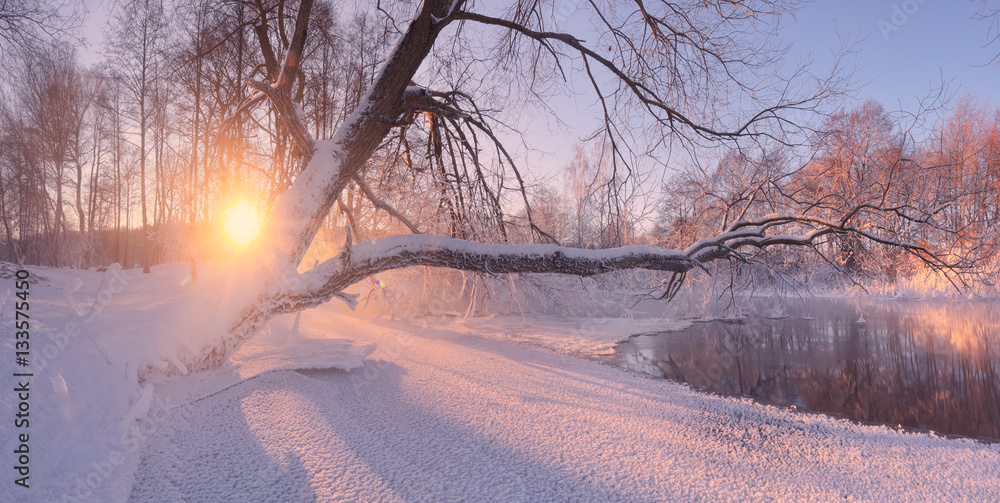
930	365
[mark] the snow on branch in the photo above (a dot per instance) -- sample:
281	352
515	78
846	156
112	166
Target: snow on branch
327	279
804	230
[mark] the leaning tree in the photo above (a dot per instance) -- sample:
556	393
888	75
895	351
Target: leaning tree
664	75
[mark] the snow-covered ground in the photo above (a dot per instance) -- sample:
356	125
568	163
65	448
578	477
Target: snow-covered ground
338	407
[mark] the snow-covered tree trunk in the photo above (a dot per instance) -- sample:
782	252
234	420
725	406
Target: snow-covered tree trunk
332	164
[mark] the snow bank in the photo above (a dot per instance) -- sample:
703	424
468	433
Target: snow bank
90	417
581	337
418	410
439	413
281	348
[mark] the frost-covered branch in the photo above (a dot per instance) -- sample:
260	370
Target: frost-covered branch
804	230
379	203
331	277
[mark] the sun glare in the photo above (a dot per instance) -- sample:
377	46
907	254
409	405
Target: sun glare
241	222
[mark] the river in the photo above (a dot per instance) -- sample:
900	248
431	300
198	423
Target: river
932	365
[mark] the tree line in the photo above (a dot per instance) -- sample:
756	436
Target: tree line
133	159
947	182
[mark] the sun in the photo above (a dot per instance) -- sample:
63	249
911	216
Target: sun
241	222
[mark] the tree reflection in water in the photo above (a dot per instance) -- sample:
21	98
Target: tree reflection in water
928	364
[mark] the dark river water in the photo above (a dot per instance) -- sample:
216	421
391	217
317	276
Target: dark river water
931	365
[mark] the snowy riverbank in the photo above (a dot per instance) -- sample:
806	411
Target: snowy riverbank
437	411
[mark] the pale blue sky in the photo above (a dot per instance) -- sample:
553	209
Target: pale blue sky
900	60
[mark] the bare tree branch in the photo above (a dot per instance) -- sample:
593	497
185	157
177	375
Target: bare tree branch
379	203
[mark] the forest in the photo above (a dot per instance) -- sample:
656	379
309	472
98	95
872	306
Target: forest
138	158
